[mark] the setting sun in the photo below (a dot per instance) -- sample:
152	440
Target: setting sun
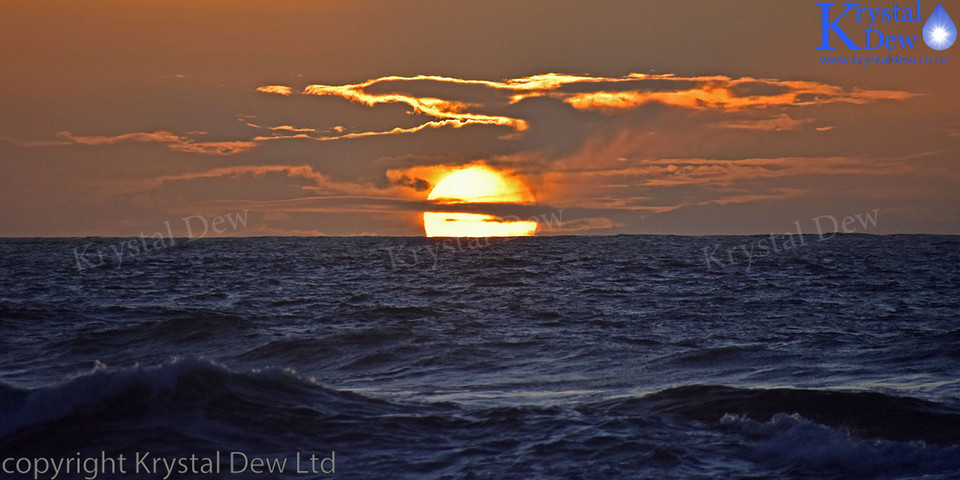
477	184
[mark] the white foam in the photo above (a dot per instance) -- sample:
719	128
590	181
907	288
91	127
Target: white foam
792	440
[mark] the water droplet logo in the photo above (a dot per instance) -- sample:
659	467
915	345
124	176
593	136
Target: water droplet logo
939	32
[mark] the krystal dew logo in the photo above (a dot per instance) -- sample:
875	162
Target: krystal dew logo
939	31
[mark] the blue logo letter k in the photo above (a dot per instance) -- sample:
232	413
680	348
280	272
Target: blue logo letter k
828	25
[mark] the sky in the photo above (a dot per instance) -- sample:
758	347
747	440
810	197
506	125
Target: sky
121	118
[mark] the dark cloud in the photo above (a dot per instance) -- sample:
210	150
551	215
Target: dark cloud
758	89
417	184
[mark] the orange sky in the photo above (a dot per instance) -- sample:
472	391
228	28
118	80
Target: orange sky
337	117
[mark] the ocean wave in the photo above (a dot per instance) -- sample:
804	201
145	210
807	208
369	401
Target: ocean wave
871	415
195	405
806	448
342	343
187	395
522	360
156	326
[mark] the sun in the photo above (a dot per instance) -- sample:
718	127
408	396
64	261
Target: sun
477	184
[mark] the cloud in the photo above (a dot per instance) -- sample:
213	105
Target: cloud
294	181
589	92
722	93
277	89
448	111
608	95
325	138
633	169
417	184
952	130
174	142
624	148
719	172
154	137
213	148
288	128
582	225
780	123
225	173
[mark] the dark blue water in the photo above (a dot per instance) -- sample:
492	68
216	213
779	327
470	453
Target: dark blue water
564	357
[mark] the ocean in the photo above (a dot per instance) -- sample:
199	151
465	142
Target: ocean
527	358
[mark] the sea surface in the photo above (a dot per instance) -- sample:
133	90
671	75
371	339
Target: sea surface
531	358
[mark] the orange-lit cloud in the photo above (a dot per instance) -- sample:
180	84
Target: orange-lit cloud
448	113
609	95
725	93
645	165
583	92
278	89
303	135
213	148
452	112
780	123
288	128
